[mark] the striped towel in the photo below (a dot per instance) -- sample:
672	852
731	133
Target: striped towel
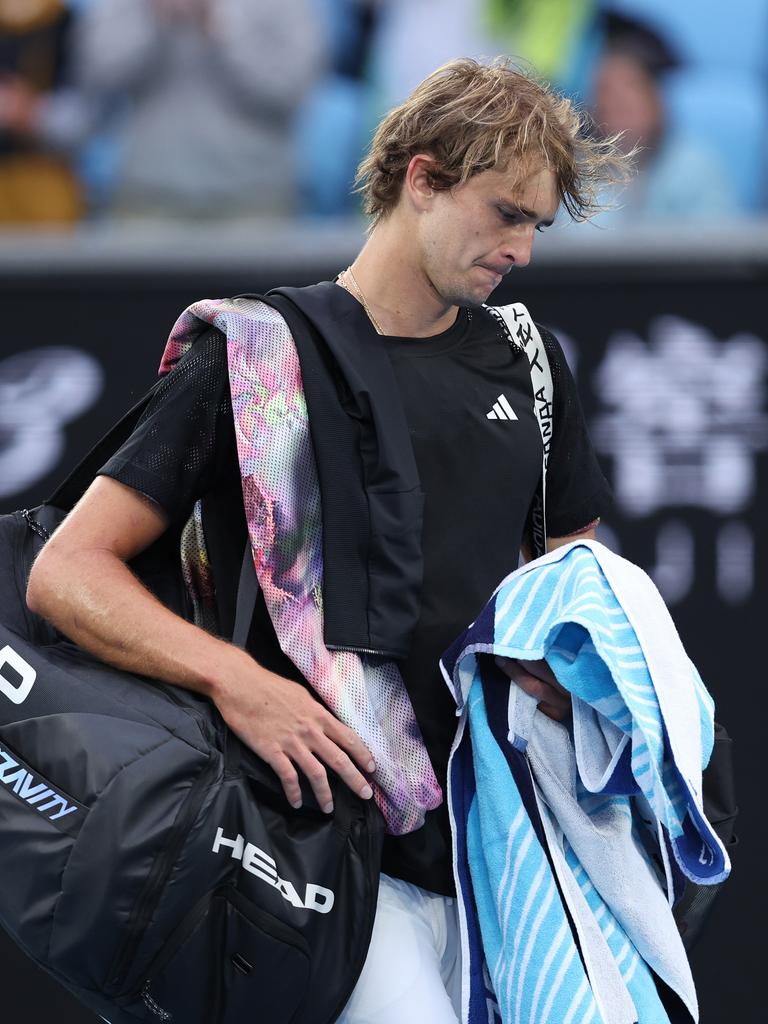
560	892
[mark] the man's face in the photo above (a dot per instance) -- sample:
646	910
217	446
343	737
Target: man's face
471	237
627	100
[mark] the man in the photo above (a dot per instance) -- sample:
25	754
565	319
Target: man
678	175
457	180
39	114
207	94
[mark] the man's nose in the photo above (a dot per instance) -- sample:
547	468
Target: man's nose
519	246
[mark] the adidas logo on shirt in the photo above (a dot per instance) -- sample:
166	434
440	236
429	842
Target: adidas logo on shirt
501	410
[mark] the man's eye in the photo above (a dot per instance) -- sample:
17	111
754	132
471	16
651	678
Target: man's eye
510	216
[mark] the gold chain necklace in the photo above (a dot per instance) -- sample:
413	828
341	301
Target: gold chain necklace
366	307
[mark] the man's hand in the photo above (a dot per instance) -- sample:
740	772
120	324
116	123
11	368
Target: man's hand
537	679
279	720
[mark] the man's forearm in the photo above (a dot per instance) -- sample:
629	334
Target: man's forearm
93	598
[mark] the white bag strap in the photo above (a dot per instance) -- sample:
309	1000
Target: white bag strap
523	335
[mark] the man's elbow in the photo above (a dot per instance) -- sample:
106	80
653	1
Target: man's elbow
41	584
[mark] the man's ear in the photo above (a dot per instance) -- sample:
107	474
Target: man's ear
418	182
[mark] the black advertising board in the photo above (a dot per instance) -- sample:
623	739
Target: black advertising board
671	361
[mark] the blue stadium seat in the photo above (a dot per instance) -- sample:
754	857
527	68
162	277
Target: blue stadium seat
730	112
330	137
720	35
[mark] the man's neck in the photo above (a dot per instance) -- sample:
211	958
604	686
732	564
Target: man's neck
396	288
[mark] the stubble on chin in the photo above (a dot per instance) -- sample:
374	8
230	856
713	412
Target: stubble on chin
462	294
470	300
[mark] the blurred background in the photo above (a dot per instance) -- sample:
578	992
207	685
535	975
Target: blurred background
153	152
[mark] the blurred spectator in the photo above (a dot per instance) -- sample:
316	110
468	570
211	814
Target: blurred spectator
555	37
678	176
39	116
336	109
414	37
214	86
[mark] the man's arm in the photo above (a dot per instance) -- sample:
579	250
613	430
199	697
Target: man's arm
80	582
536	677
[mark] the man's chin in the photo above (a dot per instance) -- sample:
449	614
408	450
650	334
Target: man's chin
474	298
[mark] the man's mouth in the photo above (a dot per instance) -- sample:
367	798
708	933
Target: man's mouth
492	272
500	270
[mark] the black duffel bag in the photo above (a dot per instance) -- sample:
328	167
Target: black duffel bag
149	860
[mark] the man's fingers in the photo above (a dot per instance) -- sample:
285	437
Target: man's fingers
556	714
532	685
519	667
541	670
550	702
318	777
553	700
336	759
351	742
288	777
511	666
315	755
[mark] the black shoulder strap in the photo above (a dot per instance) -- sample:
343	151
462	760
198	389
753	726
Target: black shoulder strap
523	334
68	493
372	542
247	592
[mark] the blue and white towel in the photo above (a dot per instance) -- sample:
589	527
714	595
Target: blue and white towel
553	826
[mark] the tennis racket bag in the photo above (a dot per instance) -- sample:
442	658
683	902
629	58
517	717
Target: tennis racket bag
150	861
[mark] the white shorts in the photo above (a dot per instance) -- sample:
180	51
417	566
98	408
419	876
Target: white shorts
412	974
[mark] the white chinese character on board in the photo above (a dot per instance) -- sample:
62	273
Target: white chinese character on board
41	390
684	417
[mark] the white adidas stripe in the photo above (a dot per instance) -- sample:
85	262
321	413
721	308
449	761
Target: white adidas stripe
507	407
502	410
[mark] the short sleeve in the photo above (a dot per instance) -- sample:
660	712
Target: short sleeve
577	491
184	441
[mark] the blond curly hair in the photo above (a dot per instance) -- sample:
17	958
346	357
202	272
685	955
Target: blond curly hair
473	117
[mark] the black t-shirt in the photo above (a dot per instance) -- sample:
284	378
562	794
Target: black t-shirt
478	474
